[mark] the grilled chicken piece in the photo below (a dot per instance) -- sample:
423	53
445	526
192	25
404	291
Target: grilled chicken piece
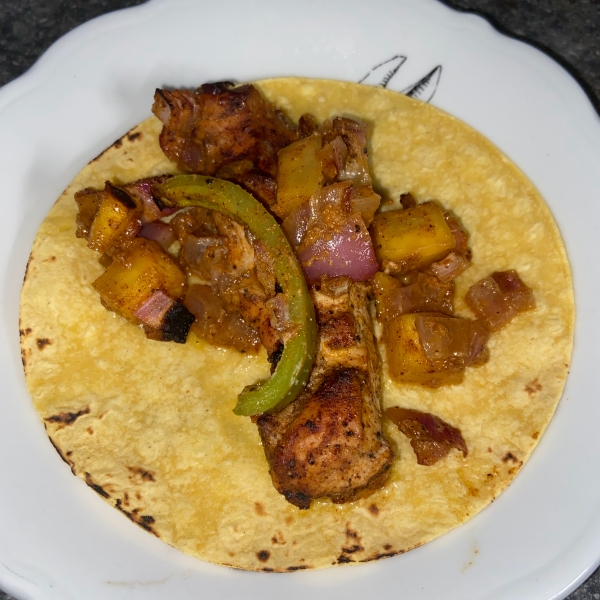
225	130
328	442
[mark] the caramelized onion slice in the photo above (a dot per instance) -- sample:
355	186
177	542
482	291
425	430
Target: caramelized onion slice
460	234
426	294
518	294
159	232
487	301
450	266
452	343
499	298
430	437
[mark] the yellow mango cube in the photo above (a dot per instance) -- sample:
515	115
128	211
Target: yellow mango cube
139	270
300	174
115	216
406	357
386	291
411	238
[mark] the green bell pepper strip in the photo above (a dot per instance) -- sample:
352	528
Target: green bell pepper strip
293	370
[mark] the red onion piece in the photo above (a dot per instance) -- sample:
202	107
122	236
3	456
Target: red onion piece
194	255
515	291
153	310
348	251
452	342
450	266
338	151
426	294
159	232
430	437
486	300
365	201
296	223
460	235
354	136
334	197
141	192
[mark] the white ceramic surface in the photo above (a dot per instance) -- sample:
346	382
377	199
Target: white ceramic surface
58	539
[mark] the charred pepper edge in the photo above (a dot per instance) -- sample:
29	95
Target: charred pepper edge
294	367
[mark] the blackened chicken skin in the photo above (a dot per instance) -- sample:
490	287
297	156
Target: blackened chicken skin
328	442
225	130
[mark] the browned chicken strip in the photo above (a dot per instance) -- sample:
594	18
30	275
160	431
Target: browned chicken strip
225	130
328	442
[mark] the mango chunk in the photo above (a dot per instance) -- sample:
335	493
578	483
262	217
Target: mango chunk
432	349
411	238
137	271
387	293
116	218
300	174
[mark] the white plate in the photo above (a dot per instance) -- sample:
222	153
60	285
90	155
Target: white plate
59	540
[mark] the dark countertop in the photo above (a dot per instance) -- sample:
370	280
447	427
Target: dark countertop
565	29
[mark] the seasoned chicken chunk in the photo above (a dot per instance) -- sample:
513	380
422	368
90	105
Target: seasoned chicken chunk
328	442
225	130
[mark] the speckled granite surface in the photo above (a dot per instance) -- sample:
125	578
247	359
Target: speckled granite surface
566	29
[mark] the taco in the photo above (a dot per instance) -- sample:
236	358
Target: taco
149	425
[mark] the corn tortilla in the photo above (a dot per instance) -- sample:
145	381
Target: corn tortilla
149	425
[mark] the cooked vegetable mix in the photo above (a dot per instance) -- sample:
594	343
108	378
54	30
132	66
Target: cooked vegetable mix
293	369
